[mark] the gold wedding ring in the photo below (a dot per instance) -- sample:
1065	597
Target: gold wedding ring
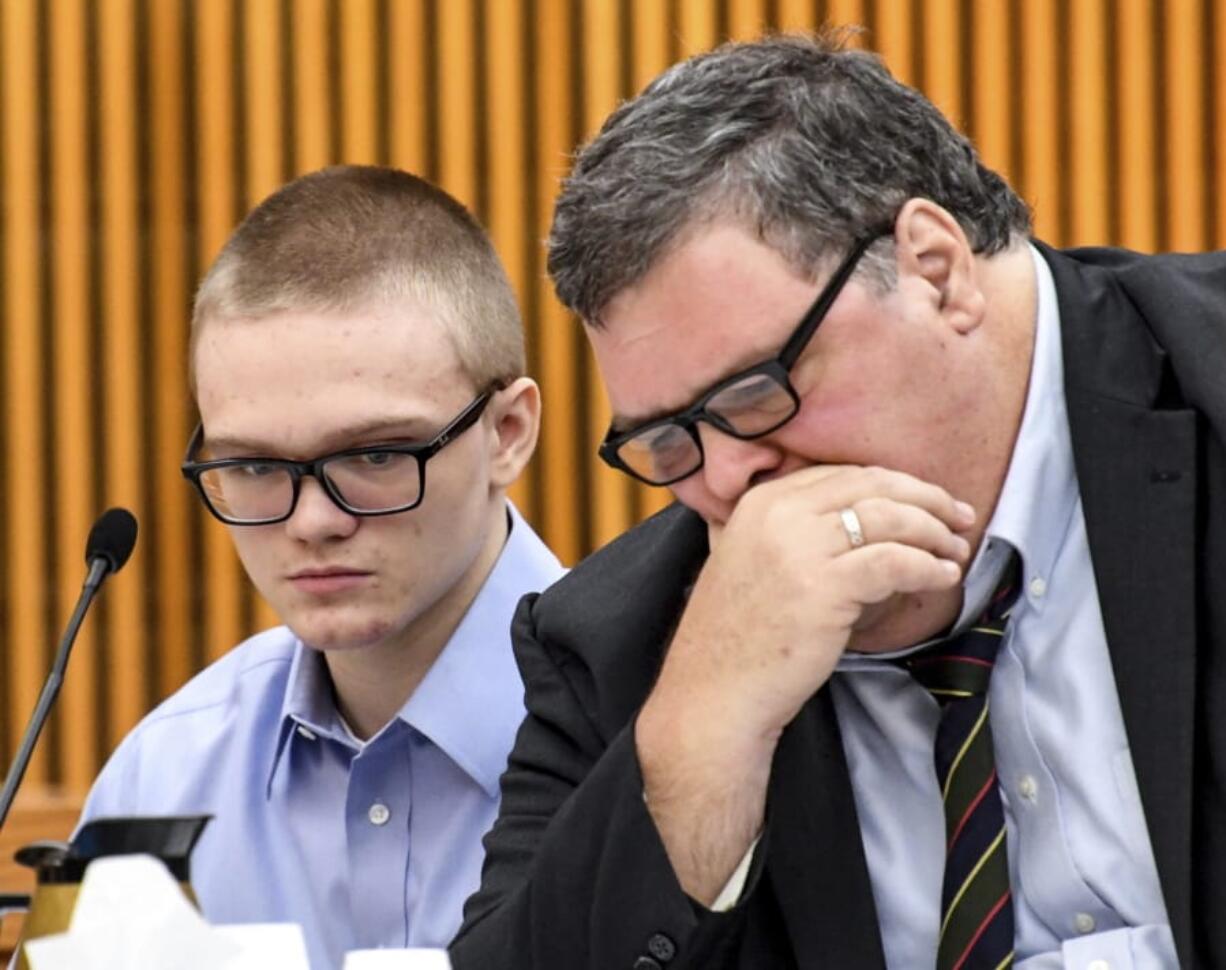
851	525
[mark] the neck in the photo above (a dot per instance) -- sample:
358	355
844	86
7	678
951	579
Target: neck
987	420
373	683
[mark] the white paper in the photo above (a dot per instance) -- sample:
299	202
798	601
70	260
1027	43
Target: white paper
132	915
413	959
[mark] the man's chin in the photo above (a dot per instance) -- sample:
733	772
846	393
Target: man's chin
902	621
333	640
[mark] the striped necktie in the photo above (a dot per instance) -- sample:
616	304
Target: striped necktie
976	903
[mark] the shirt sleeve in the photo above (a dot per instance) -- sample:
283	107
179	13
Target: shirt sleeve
114	791
730	895
1129	948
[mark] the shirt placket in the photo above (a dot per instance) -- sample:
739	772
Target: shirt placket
378	818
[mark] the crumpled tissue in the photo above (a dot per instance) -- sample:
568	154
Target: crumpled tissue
132	915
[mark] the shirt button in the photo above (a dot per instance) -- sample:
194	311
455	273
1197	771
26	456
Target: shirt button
1038	587
379	814
306	732
1098	965
1028	788
1084	923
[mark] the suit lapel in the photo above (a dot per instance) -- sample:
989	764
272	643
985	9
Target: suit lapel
1136	469
816	857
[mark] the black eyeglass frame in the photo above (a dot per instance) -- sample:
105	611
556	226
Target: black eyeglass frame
193	470
777	369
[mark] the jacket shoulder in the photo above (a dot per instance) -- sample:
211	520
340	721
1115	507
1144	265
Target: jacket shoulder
606	625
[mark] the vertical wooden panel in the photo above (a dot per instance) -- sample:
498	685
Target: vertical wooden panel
27	501
1135	145
123	354
1089	156
406	31
564	507
72	382
312	107
797	14
359	126
216	192
262	97
649	43
892	38
990	57
611	492
507	162
1042	161
168	533
943	57
1185	129
457	95
746	19
846	13
696	26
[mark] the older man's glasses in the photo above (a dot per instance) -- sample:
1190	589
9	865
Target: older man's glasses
373	480
746	405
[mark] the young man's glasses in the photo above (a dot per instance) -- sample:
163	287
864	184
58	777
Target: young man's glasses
747	405
372	480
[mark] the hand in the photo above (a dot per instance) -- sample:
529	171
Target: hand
771	613
783	590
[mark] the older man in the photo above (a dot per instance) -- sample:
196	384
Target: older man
927	667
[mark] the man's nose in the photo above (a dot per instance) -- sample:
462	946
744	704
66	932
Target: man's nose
731	465
316	517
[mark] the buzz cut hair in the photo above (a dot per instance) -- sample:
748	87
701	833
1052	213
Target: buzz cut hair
356	237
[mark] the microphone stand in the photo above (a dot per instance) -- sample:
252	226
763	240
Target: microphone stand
99	567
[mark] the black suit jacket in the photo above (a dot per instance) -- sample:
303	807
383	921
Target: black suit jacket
576	877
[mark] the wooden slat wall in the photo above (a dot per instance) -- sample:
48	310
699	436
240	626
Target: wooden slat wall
135	133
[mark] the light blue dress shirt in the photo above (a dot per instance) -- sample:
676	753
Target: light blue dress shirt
365	845
1085	885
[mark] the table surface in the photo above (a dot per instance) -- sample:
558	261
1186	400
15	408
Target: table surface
36	814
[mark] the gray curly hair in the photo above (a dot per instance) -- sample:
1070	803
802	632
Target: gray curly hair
805	142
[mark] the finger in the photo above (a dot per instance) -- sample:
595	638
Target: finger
840	486
886	520
875	572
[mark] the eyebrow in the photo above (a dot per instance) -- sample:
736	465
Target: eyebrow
621	424
341	438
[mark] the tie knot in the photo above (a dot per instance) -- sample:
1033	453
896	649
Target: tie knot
962	665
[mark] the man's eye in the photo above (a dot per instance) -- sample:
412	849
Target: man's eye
380	458
257	470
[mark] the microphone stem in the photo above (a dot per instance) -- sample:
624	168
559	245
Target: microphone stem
98	569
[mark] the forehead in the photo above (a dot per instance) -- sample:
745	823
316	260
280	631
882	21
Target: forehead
299	373
719	301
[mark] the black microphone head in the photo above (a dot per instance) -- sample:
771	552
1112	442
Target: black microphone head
112	539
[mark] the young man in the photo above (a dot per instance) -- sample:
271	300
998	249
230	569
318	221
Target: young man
358	363
891	418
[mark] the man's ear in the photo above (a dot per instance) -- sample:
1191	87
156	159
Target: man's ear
933	253
516	421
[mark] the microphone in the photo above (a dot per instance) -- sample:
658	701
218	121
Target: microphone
109	546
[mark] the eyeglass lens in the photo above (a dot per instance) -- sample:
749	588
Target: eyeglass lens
751	406
376	481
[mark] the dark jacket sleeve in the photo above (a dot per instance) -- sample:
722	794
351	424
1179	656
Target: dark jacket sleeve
576	875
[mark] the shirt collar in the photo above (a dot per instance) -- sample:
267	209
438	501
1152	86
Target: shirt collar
471	701
1040	490
307	708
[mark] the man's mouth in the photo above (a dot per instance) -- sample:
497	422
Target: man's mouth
328	579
